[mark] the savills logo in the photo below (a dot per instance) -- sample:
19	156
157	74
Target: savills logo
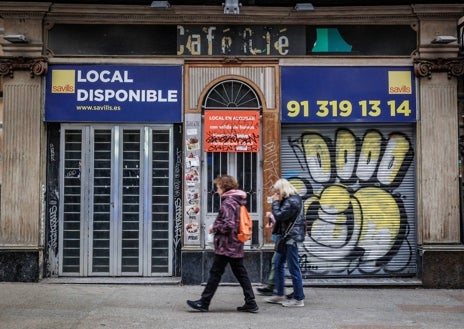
63	81
399	82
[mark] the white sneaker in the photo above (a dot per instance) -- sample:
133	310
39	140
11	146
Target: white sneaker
293	303
275	299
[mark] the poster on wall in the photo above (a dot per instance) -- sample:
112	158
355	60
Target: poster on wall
348	94
114	93
192	151
232	131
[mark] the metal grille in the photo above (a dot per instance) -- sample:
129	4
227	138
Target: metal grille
359	191
116	186
101	223
243	166
247	178
71	228
231	94
160	201
217	165
131	211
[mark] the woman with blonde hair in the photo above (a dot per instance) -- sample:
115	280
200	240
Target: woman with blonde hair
287	209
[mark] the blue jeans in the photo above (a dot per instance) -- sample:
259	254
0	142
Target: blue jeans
291	257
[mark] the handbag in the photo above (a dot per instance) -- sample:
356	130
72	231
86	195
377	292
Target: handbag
210	240
281	242
281	245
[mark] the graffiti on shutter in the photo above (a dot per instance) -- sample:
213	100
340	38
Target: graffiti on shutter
359	191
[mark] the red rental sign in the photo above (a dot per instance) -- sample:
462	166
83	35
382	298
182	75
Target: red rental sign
232	131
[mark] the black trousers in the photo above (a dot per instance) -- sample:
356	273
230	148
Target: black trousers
216	272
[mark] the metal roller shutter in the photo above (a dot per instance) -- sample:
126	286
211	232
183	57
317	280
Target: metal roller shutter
358	184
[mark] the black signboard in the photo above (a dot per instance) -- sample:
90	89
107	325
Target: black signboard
248	40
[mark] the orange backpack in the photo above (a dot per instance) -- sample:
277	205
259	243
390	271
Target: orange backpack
245	225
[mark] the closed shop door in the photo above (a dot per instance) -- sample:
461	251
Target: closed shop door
235	99
358	184
115	188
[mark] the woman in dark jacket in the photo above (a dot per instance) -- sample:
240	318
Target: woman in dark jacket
287	208
228	249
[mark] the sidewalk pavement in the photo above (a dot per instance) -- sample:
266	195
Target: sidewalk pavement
98	306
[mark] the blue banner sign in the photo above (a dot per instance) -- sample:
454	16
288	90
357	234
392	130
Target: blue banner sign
348	94
114	93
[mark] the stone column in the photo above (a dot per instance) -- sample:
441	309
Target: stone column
22	68
437	66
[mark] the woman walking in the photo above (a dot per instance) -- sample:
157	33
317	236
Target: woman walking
287	208
228	249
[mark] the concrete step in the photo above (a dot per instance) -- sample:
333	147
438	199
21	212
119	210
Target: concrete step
319	282
118	280
362	282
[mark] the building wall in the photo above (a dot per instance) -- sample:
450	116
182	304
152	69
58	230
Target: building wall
23	65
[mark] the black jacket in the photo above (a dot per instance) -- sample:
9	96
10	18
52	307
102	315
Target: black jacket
285	212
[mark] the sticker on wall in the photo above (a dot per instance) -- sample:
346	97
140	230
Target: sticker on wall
192	144
192	229
193	196
193	211
192	161
192	177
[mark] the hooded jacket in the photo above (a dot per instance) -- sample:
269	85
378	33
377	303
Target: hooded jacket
285	212
225	226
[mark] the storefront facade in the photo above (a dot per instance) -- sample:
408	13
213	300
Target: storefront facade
129	119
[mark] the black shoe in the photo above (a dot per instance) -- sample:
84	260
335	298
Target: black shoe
197	305
266	291
252	308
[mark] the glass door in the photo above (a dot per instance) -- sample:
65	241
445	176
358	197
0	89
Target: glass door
115	204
